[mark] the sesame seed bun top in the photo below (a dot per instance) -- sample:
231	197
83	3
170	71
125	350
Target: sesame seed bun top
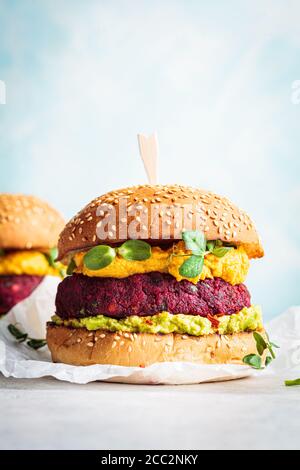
27	222
159	213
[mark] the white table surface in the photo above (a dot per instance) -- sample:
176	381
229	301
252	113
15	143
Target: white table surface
243	414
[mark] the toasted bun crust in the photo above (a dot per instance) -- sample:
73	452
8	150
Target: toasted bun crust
80	347
216	216
26	222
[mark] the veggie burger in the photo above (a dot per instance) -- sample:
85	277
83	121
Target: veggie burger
29	230
156	273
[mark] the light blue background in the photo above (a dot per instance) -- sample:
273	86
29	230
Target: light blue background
214	79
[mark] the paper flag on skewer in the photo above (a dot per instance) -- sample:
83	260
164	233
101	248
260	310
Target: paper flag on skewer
148	146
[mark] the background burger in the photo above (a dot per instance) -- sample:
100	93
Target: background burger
175	293
29	230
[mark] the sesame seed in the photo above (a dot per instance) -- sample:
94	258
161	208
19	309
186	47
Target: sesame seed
90	334
122	343
102	335
114	344
79	340
90	344
129	349
89	219
184	337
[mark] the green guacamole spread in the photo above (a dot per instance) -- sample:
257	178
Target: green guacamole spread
248	319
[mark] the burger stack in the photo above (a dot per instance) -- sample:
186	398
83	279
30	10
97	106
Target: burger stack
156	273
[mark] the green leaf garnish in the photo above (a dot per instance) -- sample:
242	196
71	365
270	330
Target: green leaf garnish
268	361
253	360
221	251
51	257
71	267
99	257
271	350
290	383
192	267
19	335
194	241
36	343
210	245
135	250
261	345
2	252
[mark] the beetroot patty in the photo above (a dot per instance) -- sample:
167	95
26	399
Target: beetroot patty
147	294
13	289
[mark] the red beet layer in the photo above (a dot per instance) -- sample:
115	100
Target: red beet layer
147	294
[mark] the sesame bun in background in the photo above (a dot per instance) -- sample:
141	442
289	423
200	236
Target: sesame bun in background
27	222
217	217
29	230
106	321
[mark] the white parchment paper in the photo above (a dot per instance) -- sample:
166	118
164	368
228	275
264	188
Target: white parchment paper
20	361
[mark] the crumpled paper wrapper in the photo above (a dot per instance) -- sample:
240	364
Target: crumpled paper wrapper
19	361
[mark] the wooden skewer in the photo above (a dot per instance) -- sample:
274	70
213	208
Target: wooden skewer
148	146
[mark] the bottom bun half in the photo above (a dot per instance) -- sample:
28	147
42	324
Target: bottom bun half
81	347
